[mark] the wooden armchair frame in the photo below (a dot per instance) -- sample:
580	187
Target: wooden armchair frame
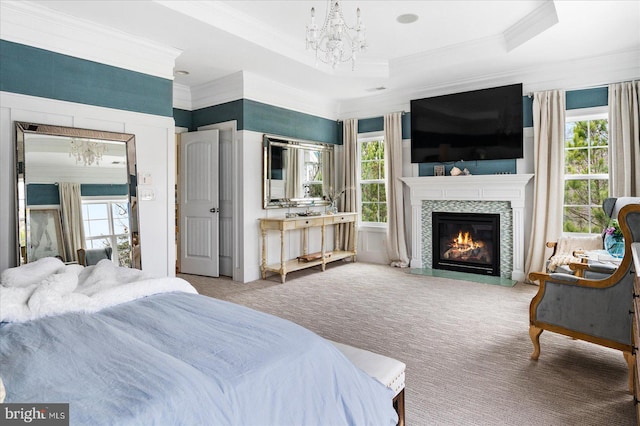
558	281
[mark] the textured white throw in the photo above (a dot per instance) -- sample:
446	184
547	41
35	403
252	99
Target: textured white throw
49	287
567	245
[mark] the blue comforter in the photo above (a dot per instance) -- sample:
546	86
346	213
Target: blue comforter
185	359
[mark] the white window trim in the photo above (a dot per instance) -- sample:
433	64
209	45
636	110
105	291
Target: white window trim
113	237
366	137
581	114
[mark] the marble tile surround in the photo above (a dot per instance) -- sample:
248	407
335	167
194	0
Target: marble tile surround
508	189
503	208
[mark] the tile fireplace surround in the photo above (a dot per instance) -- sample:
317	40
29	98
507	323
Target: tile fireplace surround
463	193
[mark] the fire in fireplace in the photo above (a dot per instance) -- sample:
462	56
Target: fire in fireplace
467	242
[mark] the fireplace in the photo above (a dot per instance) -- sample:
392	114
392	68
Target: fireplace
466	242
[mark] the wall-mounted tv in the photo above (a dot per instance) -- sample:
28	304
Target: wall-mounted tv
477	125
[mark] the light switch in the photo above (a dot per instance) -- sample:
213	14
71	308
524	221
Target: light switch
145	179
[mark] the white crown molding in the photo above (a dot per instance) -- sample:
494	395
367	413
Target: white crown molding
220	91
536	22
182	97
460	53
25	23
246	85
274	93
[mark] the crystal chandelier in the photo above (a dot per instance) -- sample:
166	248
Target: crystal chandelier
336	42
86	151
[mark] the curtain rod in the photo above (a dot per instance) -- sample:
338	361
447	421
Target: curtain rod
377	116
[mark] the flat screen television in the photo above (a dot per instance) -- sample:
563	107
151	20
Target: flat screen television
477	125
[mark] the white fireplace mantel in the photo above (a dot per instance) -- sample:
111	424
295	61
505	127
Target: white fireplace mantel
508	187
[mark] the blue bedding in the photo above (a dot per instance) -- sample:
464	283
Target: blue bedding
185	359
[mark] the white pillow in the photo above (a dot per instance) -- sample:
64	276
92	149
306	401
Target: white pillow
31	273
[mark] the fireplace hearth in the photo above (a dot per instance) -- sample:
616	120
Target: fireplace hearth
466	242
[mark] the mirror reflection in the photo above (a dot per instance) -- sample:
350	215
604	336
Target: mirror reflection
76	195
296	173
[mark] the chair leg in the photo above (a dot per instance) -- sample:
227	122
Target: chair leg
398	404
631	360
534	333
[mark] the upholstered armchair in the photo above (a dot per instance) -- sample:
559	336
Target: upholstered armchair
594	310
93	256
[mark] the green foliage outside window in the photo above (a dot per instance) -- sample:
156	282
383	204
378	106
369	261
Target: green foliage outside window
586	175
372	182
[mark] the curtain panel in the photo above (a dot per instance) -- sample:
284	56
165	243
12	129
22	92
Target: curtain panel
624	139
72	224
548	135
396	241
348	234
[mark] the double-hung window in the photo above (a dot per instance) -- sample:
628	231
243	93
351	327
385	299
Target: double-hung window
586	173
106	224
372	188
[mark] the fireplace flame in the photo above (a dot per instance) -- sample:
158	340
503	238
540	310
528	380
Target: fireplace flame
464	242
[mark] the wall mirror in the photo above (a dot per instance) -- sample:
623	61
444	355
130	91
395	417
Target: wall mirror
76	189
296	173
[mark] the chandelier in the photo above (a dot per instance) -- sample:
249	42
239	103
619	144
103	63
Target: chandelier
335	41
86	151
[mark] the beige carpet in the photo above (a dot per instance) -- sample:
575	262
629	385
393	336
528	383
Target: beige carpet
466	345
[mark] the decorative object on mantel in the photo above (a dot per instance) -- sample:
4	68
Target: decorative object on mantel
336	41
86	151
438	170
455	171
613	240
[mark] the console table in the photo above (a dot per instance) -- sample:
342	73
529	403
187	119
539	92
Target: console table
304	223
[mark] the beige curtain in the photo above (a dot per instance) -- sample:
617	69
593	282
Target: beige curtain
72	225
396	242
293	170
624	139
548	135
348	233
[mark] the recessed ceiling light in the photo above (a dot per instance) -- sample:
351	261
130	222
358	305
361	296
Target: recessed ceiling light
407	18
181	72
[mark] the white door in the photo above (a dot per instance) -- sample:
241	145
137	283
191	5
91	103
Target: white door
227	136
199	208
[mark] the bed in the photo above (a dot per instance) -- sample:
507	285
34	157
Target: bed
123	348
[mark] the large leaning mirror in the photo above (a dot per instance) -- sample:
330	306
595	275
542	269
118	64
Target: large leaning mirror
76	194
297	173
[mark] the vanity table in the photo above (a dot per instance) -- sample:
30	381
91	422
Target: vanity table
307	260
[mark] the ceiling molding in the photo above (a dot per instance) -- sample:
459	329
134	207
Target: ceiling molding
274	93
461	53
29	24
182	97
220	91
538	21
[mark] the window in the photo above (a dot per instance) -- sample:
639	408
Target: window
372	192
586	173
106	224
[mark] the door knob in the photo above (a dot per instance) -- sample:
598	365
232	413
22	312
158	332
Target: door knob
214	210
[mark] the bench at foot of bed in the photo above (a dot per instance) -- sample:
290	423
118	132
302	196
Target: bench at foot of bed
388	371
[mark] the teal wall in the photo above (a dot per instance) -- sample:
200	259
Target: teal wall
31	71
40	194
260	117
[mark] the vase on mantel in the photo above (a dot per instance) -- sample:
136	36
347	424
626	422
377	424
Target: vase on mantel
614	245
